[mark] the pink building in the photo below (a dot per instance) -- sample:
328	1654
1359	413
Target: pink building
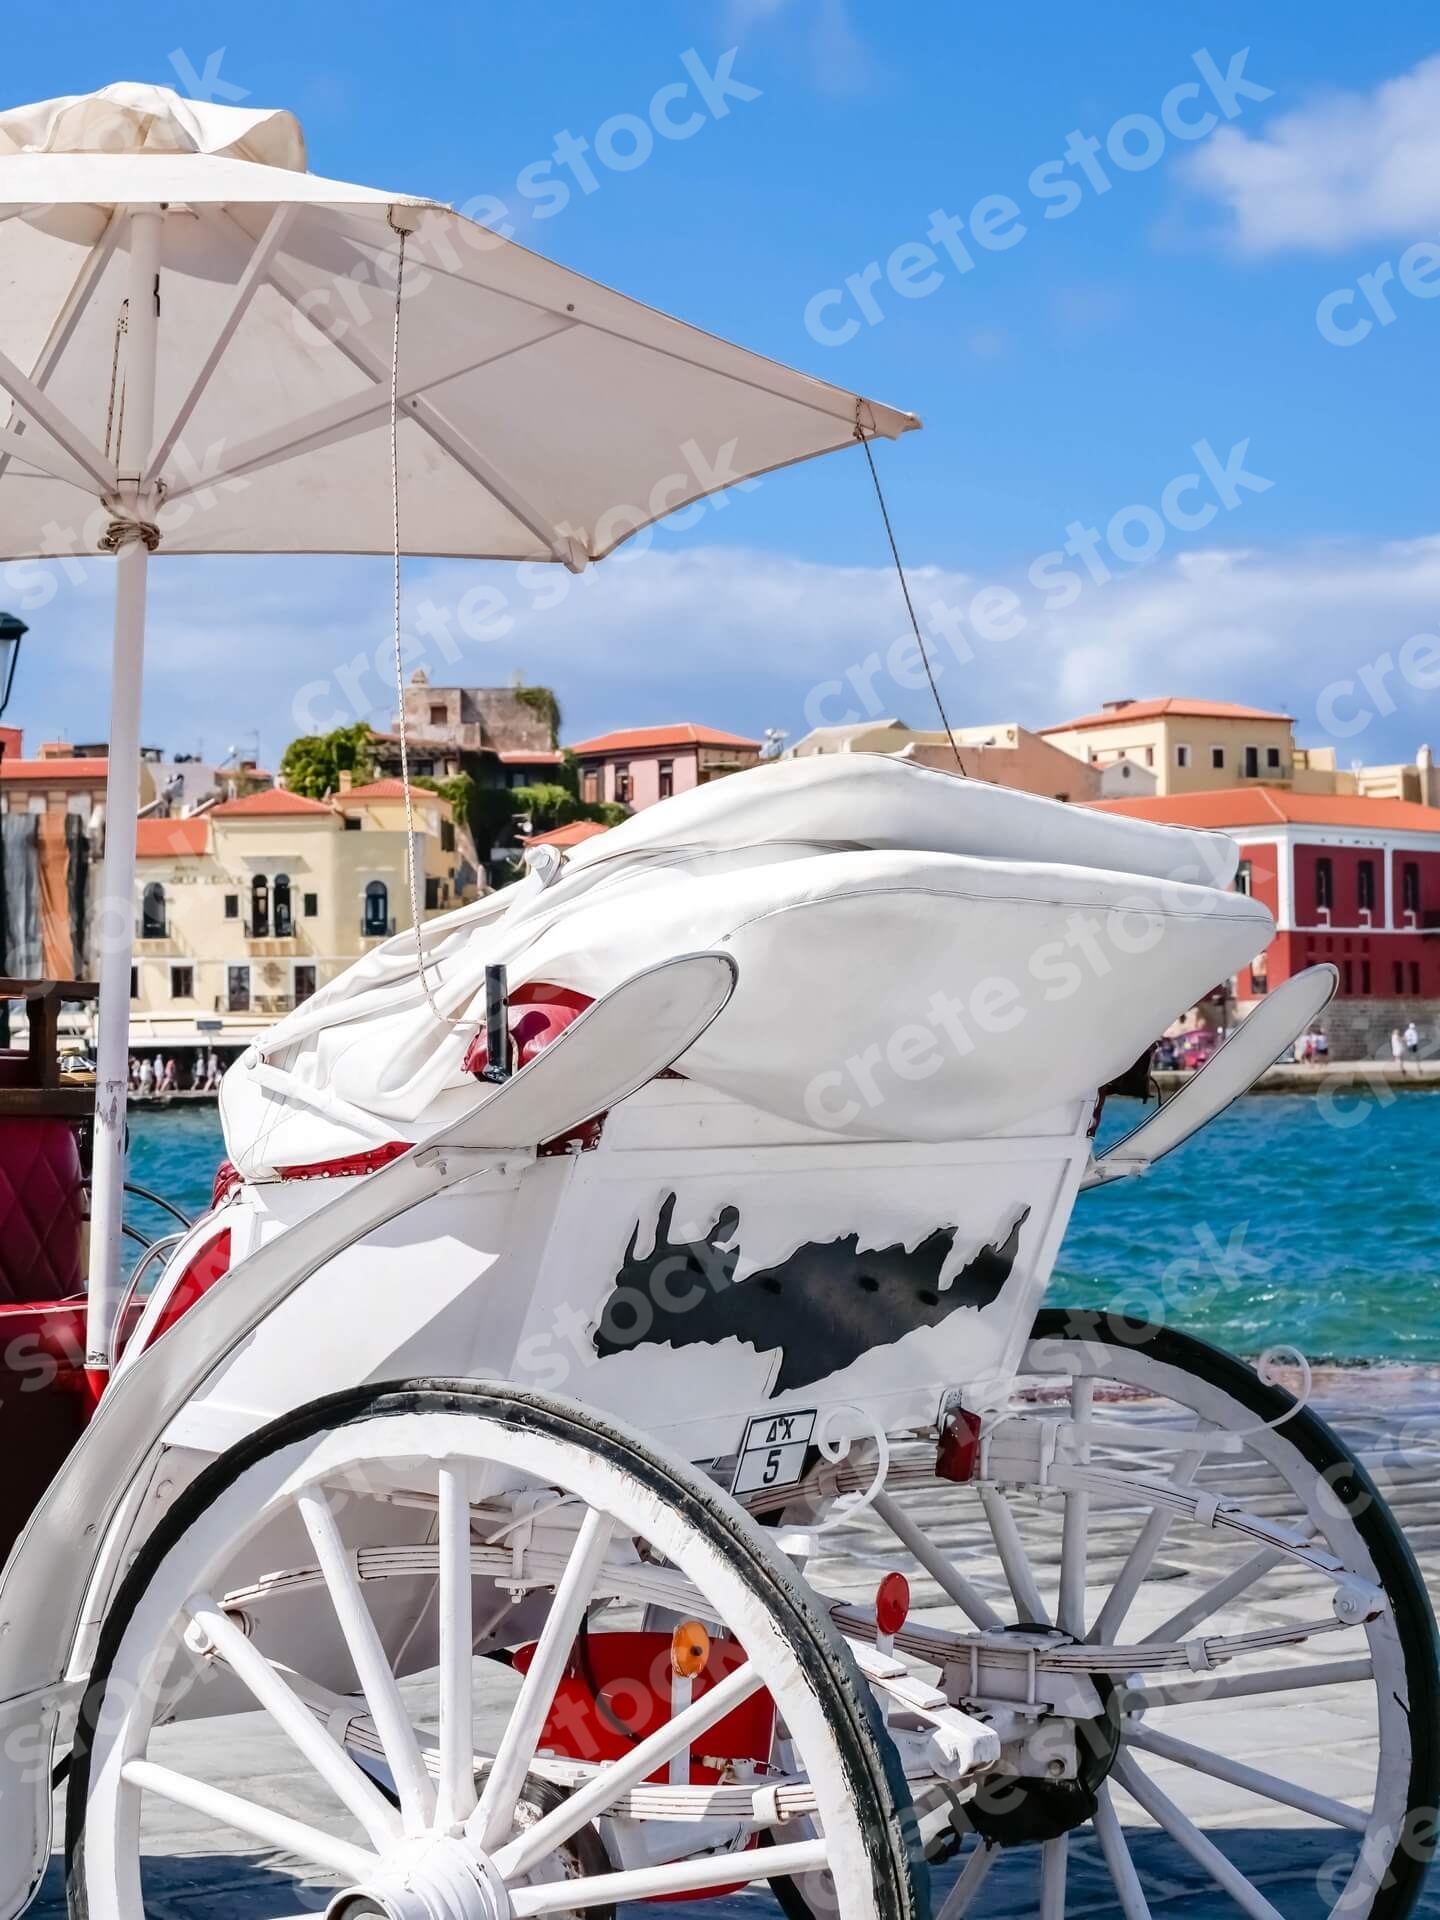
646	764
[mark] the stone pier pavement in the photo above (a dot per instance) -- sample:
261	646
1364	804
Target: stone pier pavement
1393	1419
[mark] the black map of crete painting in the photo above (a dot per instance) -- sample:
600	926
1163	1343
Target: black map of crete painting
822	1308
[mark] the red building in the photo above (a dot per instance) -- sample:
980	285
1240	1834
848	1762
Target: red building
1351	880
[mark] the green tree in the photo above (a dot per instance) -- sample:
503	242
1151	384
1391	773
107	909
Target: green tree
313	764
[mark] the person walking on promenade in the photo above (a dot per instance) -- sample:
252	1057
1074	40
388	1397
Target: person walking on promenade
1397	1048
1412	1040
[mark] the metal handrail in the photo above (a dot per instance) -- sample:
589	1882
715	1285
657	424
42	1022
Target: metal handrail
165	1206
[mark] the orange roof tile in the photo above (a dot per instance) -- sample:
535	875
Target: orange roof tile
388	789
1178	709
53	772
683	734
164	839
568	836
270	800
1260	806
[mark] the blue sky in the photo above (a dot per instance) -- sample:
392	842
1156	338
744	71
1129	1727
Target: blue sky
1062	378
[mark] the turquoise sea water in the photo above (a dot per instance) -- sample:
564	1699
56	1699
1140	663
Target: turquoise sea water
1289	1219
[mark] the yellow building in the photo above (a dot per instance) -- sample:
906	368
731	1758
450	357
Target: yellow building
1191	746
243	911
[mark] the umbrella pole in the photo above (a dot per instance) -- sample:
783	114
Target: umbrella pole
116	920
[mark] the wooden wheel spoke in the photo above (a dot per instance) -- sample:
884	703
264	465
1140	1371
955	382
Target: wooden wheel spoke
527	1849
962	1895
1118	1858
684	1876
491	1821
1226	1875
1075	1527
372	1666
356	1791
1019	1574
456	1796
1268	1786
244	1816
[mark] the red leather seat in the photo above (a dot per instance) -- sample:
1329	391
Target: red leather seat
41	1204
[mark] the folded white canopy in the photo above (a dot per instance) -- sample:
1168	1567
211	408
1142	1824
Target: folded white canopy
1039	947
544	417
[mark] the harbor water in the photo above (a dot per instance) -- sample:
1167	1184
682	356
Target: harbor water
1296	1220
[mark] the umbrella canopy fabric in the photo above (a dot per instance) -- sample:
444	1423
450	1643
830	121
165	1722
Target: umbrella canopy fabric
542	416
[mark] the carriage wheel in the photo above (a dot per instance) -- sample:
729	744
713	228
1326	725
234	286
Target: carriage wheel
429	1828
1160	1800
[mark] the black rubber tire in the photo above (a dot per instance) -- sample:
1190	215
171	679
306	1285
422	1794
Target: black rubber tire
1404	1586
875	1781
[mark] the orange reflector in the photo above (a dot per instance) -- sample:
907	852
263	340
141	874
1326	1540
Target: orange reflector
689	1649
892	1603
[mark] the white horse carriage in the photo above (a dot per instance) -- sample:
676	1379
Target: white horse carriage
593	1264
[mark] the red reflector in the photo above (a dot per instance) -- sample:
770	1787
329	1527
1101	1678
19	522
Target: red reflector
892	1603
958	1454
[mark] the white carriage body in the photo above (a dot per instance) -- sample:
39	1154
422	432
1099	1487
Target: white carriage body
517	1273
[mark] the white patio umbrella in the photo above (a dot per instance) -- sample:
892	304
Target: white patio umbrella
196	338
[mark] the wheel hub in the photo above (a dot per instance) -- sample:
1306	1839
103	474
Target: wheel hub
1019	1812
435	1877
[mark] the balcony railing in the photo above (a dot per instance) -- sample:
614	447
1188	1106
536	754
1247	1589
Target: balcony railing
376	929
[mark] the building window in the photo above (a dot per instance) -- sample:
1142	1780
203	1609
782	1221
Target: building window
232	906
377	909
1149	756
1252	763
284	922
237	989
152	912
134	983
1347	969
622	785
438	716
1364	976
1410	887
304	982
1182	756
182	983
1243	882
310	904
432	893
1272	756
1415	978
667	779
352	823
1365	885
1324	887
1217	756
447	836
590	786
259	907
1399	977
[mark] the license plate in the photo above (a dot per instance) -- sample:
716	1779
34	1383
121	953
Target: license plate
772	1454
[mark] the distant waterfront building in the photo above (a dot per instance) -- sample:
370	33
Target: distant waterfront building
1208	746
243	911
645	764
506	734
1350	879
1002	754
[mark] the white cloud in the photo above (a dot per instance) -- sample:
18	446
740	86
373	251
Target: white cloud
838	59
742	638
1348	167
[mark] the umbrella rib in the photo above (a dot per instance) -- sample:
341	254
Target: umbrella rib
63	329
249	284
843	410
429	417
339	420
16	446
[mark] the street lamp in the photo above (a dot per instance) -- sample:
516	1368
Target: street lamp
12	632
